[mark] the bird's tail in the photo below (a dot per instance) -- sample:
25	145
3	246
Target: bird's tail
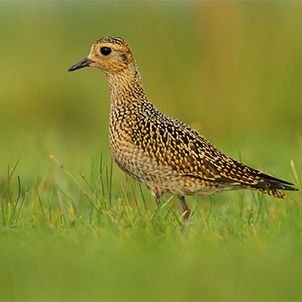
273	186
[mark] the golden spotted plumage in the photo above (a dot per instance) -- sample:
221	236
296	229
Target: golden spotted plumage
160	151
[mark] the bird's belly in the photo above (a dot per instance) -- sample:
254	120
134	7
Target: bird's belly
139	164
157	177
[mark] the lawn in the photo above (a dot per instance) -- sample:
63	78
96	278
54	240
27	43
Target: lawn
74	227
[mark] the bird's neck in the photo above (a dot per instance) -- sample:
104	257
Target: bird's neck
126	88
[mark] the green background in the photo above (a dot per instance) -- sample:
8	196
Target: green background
232	70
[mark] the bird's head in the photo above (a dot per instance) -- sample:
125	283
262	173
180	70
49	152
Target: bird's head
110	54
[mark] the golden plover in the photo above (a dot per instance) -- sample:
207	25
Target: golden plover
163	153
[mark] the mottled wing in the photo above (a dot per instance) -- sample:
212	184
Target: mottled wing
175	144
172	143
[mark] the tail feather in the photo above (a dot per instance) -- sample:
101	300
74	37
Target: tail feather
273	186
270	182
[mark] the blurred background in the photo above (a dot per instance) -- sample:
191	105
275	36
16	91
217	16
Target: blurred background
230	69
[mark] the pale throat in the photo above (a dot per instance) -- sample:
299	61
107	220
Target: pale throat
125	87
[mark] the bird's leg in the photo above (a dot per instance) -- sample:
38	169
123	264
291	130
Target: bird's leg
186	210
157	199
156	194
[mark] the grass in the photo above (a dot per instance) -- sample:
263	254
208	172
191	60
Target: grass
86	237
74	227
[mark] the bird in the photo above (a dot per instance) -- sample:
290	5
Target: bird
163	153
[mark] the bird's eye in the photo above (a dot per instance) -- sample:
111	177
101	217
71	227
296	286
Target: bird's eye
105	51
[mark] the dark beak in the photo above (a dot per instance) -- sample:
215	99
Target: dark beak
83	63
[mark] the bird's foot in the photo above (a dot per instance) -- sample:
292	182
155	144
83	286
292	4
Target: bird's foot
186	215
